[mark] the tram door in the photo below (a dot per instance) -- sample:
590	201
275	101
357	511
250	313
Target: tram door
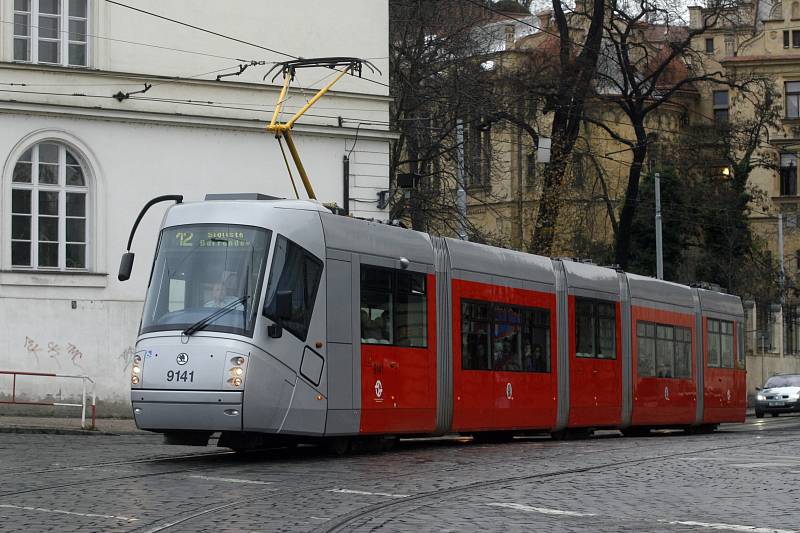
397	350
720	387
595	375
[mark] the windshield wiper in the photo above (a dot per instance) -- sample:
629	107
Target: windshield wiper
200	324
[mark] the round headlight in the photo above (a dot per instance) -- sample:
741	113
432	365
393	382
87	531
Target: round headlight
137	359
136	370
237	371
135	380
239	361
761	397
237	382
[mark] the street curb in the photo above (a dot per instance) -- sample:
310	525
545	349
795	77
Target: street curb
53	431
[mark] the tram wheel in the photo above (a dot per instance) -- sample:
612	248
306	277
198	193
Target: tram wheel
340	446
493	437
572	434
187	438
636	431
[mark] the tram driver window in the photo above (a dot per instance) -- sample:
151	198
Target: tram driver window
297	271
596	329
393	307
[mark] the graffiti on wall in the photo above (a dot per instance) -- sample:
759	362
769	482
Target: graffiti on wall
126	356
54	351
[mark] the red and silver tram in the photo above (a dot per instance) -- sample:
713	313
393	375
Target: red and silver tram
275	319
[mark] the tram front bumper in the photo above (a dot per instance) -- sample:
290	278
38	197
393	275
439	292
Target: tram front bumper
166	410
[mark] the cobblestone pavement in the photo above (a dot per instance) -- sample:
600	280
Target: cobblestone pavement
742	478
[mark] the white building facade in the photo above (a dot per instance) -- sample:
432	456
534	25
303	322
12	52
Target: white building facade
105	105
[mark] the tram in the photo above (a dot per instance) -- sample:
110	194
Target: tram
272	320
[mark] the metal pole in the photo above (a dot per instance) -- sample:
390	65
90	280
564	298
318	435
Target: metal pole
83	406
659	245
346	185
461	194
782	278
94	408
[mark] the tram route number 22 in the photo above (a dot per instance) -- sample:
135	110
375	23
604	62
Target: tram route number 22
177	375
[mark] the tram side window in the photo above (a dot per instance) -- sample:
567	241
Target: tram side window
504	337
646	349
377	295
726	350
536	340
742	363
393	307
664	351
720	343
596	327
299	272
713	343
412	307
475	336
683	352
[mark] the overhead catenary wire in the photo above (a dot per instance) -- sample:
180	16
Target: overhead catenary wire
224	36
136	43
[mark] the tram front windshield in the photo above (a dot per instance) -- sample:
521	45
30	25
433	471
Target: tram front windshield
201	269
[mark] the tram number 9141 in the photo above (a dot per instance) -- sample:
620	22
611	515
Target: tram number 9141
185	376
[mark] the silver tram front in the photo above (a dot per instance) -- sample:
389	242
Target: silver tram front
227	313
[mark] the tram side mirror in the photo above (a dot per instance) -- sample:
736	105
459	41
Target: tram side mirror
125	266
758	388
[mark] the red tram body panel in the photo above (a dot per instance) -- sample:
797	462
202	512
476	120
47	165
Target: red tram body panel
398	390
494	399
663	399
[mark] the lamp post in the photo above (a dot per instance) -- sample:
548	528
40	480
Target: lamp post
659	245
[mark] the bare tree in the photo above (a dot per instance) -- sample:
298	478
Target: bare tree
578	65
644	66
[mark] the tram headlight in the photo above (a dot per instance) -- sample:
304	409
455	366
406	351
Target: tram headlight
237	371
136	370
761	397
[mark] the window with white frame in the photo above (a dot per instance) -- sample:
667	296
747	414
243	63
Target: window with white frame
51	31
49	209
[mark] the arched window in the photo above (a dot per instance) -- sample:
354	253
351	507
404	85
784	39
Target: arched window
795	10
49	209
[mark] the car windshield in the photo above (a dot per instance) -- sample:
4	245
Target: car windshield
783	381
200	269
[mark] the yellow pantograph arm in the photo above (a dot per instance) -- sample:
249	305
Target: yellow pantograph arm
283	130
286	79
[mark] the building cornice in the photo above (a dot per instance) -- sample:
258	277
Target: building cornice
181	120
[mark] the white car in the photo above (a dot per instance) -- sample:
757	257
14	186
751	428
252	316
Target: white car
781	394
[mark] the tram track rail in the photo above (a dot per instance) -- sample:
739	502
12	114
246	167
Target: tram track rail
365	515
354	518
86	466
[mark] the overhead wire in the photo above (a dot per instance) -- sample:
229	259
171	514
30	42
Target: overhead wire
224	36
136	43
